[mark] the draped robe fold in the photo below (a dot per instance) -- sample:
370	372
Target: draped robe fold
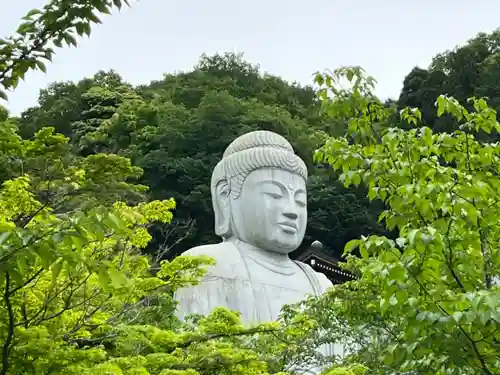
248	284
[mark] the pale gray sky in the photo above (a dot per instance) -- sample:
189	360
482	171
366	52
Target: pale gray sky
289	38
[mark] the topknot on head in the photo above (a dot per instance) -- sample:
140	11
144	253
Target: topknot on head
258	138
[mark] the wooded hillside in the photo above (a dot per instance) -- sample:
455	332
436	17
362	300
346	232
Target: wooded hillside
176	129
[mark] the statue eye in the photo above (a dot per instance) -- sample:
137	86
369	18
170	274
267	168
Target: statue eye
274	195
301	203
301	199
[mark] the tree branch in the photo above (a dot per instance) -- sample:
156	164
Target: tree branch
10	330
35	275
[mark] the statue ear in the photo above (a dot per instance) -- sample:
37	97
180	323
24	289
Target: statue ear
222	208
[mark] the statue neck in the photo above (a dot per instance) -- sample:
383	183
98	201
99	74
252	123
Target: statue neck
271	260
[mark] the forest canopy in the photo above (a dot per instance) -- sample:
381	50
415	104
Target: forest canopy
175	129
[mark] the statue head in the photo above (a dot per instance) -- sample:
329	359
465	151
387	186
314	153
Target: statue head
259	193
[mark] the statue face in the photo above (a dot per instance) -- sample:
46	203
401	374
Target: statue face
271	211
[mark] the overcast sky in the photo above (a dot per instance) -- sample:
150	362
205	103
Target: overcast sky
289	38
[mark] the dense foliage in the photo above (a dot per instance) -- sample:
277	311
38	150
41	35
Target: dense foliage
78	295
176	129
427	302
92	176
469	70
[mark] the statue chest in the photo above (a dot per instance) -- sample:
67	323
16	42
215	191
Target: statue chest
247	284
259	293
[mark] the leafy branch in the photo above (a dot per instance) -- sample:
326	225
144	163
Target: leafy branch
10	330
56	24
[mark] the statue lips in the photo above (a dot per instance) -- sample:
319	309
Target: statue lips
288	226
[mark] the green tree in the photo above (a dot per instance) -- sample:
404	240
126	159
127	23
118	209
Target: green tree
62	104
57	24
75	286
91	134
427	302
80	298
327	198
176	129
469	70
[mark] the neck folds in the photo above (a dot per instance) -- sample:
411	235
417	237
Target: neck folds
273	261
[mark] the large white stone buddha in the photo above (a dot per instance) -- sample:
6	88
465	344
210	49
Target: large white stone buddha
260	202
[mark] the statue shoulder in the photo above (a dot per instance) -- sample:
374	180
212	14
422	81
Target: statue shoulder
228	261
323	281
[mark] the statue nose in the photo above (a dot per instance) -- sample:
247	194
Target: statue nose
290	215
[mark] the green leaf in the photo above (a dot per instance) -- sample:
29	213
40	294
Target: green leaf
318	79
70	39
45	255
104	279
56	269
4	237
16	276
25	28
350	75
102	7
363	251
92	17
41	66
31	13
21	265
351	246
118	279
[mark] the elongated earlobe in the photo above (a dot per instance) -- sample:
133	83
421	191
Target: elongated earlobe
222	209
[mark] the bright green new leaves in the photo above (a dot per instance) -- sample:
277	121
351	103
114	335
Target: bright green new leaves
80	298
350	370
64	275
57	24
428	302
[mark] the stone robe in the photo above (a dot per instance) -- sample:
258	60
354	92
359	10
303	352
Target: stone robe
250	284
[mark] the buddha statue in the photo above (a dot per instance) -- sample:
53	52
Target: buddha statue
259	199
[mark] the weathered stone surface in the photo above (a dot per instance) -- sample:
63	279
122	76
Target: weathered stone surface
259	199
